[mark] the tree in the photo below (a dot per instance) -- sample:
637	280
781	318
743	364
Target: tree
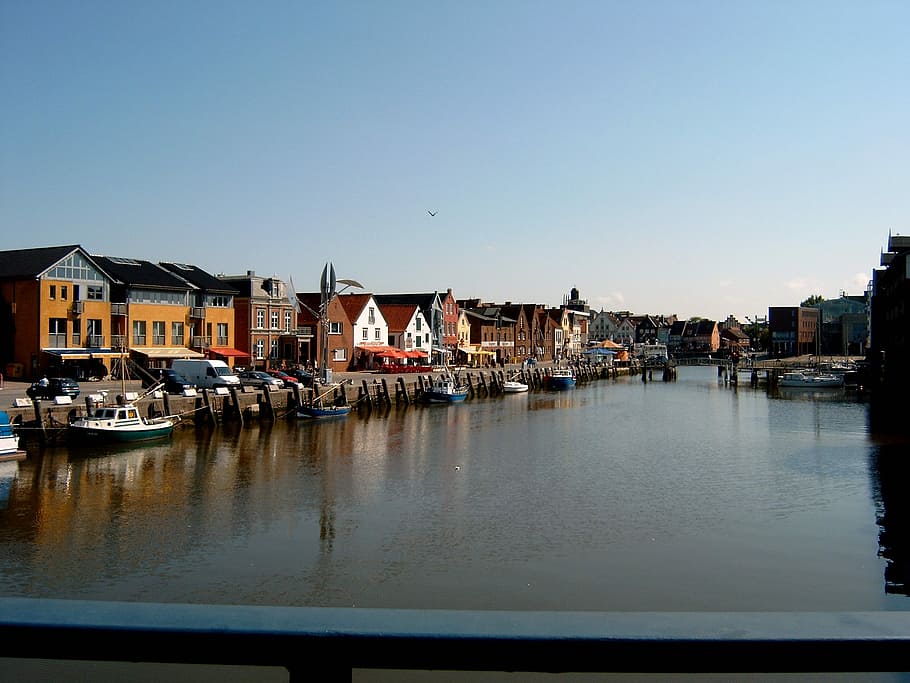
813	300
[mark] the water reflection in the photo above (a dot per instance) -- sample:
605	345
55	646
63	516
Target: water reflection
617	495
890	471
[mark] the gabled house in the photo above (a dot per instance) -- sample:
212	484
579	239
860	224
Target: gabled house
369	328
408	329
625	333
701	336
734	340
675	336
339	332
439	311
154	321
605	326
56	313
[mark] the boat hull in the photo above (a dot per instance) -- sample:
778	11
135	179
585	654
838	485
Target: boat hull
561	383
828	382
317	413
443	397
114	435
514	387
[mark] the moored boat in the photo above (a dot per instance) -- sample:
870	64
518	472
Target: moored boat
811	380
513	386
9	440
119	424
323	411
445	389
561	378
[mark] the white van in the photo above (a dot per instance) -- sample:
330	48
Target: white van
206	374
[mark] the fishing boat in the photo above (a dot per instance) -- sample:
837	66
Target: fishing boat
811	380
118	424
123	422
445	389
9	440
561	378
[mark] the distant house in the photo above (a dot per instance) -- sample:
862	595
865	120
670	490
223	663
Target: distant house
370	329
701	336
734	339
408	329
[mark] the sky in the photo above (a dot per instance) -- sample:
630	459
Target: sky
695	158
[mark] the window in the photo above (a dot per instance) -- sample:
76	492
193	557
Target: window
339	354
417	340
371	319
274	320
366	334
334	328
287	321
94	334
53	292
177	334
158	333
418	321
63	293
94	293
218	301
77	332
273	351
376	334
222	334
260	319
260	349
139	333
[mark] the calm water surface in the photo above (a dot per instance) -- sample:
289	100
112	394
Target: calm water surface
618	495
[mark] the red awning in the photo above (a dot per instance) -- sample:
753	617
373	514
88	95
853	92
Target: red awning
415	354
228	351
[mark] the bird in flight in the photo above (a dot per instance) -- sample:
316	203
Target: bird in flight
432	213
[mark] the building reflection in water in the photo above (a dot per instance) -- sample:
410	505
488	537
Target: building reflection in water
890	470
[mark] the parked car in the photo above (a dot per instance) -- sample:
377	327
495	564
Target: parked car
258	379
285	378
56	386
304	377
174	382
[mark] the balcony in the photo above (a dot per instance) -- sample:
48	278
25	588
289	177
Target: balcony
197	312
95	341
78	307
202	342
118	341
118	309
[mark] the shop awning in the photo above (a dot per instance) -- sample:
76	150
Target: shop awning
82	354
475	352
227	351
169	352
415	354
377	348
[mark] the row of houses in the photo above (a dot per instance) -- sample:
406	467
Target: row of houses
64	310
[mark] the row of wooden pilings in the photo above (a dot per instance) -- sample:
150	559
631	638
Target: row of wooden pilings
46	420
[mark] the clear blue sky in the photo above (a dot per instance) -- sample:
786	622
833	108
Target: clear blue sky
698	158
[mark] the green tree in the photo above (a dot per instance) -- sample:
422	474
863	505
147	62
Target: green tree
813	300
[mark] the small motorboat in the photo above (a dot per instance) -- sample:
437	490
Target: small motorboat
513	386
811	380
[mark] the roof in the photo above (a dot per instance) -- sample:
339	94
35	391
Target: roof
30	263
201	279
398	315
353	304
138	273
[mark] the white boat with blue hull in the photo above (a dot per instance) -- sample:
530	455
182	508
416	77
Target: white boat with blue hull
811	380
9	440
445	389
561	379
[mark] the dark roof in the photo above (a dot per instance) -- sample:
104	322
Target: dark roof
30	263
201	279
138	273
425	301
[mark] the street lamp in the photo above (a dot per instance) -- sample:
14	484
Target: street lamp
327	286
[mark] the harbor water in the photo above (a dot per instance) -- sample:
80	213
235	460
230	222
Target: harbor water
617	495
